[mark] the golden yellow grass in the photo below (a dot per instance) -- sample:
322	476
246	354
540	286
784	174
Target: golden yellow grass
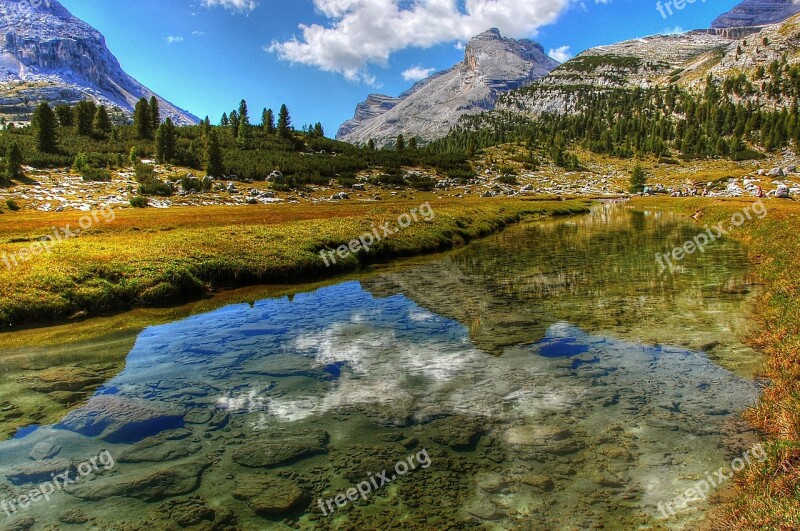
157	257
767	496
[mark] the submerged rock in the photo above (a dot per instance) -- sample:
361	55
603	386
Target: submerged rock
270	495
118	419
37	471
278	448
153	485
164	447
459	433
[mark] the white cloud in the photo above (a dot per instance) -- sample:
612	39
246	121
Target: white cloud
238	6
415	73
364	32
561	54
197	33
460	46
174	38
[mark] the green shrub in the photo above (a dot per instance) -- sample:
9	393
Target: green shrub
198	185
12	205
155	186
95	174
421	182
139	202
508	179
144	172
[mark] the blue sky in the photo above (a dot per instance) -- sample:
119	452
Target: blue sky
206	55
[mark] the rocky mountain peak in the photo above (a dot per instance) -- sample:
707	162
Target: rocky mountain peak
757	13
492	66
46	53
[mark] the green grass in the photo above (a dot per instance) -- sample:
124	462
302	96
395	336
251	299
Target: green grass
158	257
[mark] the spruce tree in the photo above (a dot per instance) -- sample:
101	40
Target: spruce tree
235	122
224	121
268	121
318	130
244	114
284	121
371	145
155	113
412	144
102	122
400	145
13	161
143	120
166	141
213	156
84	113
45	123
65	116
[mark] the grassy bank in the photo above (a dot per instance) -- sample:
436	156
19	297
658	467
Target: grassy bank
767	496
158	257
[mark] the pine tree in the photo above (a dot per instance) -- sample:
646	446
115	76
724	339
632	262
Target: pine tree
213	156
638	180
401	143
268	121
143	120
64	114
206	126
244	114
284	121
166	141
84	113
13	161
224	121
371	145
318	130
412	144
102	122
234	119
45	123
155	113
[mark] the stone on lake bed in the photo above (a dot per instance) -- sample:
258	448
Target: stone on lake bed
42	470
44	450
270	495
167	446
275	449
152	485
117	419
459	433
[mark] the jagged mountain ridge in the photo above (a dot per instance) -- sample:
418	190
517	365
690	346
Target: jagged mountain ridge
757	13
46	53
492	66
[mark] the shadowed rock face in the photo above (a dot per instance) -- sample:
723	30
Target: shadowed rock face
757	13
64	60
492	66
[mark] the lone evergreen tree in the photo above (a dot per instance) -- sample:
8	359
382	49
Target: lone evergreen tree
244	114
213	155
268	121
284	121
102	122
638	180
371	145
166	141
155	113
44	123
13	162
401	143
318	130
143	120
412	144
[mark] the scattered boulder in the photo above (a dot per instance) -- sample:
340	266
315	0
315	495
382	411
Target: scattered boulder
775	172
44	450
782	192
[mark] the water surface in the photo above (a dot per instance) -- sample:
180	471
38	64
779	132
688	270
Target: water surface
553	376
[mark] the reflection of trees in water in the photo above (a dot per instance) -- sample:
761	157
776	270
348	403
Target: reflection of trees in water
597	271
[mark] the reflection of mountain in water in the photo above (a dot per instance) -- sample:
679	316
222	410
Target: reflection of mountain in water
597	271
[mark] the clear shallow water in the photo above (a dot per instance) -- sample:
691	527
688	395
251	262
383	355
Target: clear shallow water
554	378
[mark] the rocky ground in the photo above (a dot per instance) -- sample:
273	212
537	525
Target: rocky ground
497	174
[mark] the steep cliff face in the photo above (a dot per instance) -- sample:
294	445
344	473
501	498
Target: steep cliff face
46	53
492	66
757	13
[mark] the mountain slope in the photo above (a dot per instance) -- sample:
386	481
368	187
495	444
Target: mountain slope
492	66
757	13
46	53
